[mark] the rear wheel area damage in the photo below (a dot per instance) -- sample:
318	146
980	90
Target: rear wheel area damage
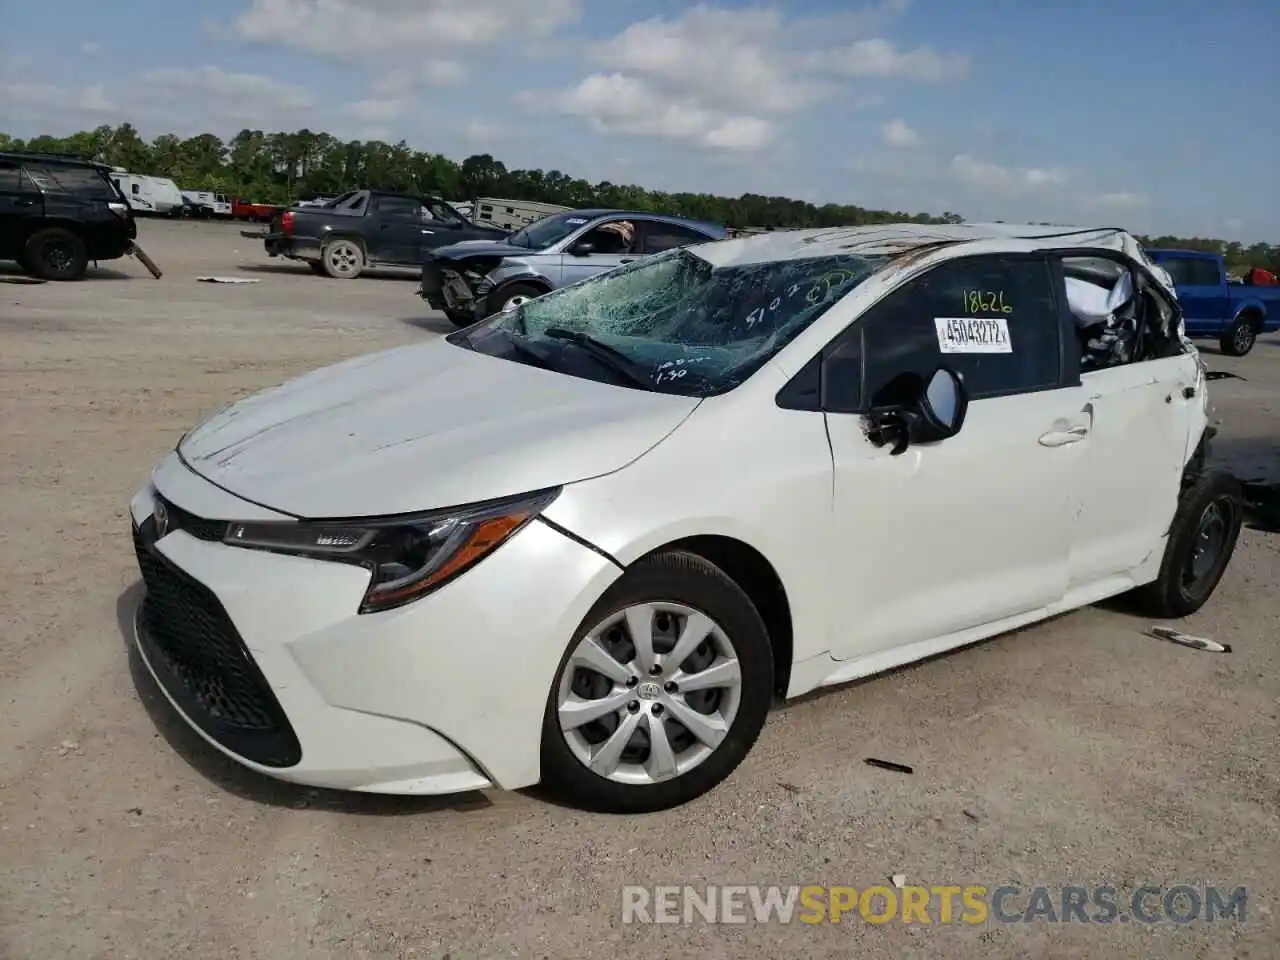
1202	538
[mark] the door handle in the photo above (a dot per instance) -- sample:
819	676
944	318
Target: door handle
1060	438
24	203
428	231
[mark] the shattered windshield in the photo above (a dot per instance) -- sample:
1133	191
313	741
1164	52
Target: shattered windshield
672	322
543	233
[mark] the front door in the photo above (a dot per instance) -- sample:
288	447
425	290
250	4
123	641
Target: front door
612	243
976	528
401	227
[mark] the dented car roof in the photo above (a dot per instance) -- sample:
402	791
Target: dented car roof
903	238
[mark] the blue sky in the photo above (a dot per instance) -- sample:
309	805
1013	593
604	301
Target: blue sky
1155	116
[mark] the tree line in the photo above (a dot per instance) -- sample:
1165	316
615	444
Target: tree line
282	167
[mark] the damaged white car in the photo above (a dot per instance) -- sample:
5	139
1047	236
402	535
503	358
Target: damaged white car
587	541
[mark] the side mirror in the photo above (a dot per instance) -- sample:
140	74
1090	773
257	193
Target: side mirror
937	413
582	248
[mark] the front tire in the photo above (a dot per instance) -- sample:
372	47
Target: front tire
1201	542
317	267
662	692
460	318
56	254
1240	338
516	295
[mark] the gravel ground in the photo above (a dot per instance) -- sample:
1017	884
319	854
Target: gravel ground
1075	752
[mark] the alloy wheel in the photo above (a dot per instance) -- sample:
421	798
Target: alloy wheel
649	693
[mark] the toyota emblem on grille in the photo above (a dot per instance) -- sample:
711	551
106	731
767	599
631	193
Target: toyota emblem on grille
161	516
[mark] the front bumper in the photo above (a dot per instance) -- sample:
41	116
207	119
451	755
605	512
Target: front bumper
445	289
266	658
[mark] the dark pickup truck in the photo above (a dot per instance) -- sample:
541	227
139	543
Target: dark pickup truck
367	228
1234	313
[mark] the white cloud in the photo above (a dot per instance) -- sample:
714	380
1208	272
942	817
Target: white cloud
1121	200
877	57
71	101
205	97
614	103
896	133
991	176
372	31
90	49
725	78
479	132
375	110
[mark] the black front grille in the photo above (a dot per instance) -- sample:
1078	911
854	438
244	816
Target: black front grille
188	522
200	660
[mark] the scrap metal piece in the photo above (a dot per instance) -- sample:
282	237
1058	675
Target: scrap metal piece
889	765
137	251
1196	643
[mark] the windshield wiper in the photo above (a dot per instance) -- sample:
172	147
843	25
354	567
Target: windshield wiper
518	346
605	355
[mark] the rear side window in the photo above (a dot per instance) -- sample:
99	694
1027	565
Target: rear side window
87	183
994	320
665	236
1192	271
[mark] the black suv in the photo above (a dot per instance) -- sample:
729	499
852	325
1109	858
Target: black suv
58	213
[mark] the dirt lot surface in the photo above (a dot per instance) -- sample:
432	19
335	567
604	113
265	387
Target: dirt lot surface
1076	752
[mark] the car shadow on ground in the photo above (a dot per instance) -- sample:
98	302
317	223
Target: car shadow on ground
227	775
12	273
431	324
301	269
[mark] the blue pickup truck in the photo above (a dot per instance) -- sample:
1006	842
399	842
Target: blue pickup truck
1235	313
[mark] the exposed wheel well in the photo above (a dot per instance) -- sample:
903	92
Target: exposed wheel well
1254	317
748	568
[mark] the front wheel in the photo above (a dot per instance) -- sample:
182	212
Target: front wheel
1239	338
662	692
1201	541
516	295
460	318
317	267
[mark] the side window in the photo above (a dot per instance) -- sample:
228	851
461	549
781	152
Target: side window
615	237
438	211
1192	271
657	237
1119	316
134	189
994	320
400	208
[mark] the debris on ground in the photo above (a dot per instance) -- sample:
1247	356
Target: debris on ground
226	280
789	787
136	251
899	880
67	746
971	814
888	765
1196	643
1223	375
22	280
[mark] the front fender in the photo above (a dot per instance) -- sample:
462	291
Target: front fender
514	271
1252	305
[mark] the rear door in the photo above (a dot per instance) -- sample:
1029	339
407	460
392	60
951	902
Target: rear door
20	202
1142	412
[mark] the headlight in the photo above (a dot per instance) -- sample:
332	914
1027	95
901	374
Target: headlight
408	556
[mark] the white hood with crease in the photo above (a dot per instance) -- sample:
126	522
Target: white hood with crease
424	427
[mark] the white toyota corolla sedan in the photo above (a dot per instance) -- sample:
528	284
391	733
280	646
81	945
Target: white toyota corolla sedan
587	541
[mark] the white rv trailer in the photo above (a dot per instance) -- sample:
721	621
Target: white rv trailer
508	214
145	194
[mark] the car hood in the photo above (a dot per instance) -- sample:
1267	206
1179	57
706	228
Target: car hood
479	248
423	427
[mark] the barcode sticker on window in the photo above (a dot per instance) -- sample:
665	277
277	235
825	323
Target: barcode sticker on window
973	334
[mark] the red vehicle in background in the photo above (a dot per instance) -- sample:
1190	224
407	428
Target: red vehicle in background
242	209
